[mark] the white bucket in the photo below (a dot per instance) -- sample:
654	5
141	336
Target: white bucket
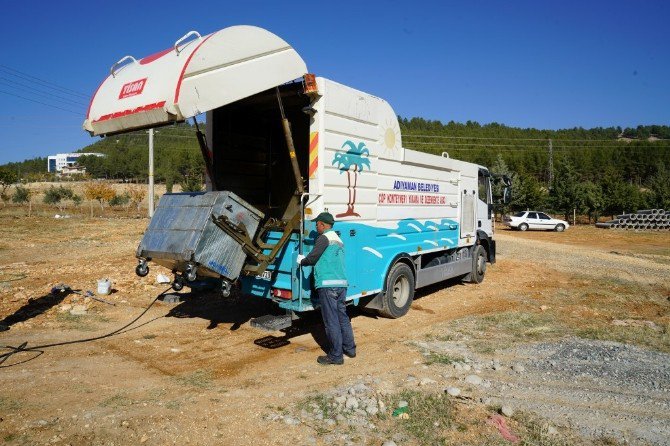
104	286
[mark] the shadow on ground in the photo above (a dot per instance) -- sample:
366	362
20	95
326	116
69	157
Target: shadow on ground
34	308
237	310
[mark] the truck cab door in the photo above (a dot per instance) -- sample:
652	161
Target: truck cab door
484	202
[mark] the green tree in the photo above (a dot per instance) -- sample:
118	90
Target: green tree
7	178
660	188
499	167
530	193
21	195
564	195
589	200
58	195
192	182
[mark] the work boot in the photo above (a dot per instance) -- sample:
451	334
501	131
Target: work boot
327	360
350	354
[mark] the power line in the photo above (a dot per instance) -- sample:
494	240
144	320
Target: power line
42	103
470	137
406	135
20	74
477	146
33	90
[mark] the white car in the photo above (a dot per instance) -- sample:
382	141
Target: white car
535	220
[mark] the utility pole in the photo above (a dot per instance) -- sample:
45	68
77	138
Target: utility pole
551	163
151	173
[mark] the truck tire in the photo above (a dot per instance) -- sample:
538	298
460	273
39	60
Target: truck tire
399	292
523	227
478	264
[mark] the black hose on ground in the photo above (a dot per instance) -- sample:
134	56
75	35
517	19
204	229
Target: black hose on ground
38	348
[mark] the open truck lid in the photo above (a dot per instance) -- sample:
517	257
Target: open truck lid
197	74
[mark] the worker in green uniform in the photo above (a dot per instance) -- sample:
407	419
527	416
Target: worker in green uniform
331	285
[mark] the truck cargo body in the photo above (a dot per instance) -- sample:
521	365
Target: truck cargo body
389	202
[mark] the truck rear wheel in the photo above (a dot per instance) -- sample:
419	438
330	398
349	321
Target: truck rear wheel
399	292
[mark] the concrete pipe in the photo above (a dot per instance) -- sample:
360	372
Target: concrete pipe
644	212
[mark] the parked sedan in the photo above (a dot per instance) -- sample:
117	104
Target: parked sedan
535	220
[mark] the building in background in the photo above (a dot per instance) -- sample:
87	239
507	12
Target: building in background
66	163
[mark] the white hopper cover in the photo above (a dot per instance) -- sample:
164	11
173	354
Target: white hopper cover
205	73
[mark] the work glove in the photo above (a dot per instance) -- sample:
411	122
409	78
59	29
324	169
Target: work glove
299	259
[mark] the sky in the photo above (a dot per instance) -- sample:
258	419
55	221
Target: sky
539	64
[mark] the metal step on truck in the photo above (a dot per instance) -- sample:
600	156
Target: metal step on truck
281	146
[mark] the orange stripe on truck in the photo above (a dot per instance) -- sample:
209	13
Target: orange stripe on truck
313	153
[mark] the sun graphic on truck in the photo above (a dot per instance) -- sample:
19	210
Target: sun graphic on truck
389	137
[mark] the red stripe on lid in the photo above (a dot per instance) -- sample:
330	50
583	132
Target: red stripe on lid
123	113
183	70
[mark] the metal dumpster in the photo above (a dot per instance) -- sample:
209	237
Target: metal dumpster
182	236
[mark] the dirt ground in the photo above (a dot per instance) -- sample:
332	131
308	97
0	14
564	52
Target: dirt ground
195	372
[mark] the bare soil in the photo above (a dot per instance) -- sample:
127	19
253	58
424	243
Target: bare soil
197	373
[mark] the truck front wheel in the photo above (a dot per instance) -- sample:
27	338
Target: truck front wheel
399	292
478	264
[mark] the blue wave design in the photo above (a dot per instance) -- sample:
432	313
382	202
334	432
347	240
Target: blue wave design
369	251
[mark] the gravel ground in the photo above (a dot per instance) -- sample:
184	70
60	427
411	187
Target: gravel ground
644	269
603	389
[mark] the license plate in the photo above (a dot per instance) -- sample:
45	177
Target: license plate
267	275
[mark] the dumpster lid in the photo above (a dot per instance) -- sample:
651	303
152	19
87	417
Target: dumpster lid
195	75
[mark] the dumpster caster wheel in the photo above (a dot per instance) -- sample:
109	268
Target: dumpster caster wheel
191	273
178	283
142	269
225	288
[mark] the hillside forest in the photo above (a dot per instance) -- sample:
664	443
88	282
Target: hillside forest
599	171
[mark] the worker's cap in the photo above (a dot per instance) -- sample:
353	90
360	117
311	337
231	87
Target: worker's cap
325	217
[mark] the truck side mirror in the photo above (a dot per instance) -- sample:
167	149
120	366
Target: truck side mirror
507	195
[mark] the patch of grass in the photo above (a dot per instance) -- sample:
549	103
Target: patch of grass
7	404
116	401
173	405
200	378
442	358
279	409
87	322
440	337
523	326
430	415
537	433
642	336
317	402
608	441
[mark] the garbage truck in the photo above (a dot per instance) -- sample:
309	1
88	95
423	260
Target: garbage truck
280	146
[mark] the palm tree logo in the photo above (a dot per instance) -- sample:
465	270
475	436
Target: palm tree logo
358	157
